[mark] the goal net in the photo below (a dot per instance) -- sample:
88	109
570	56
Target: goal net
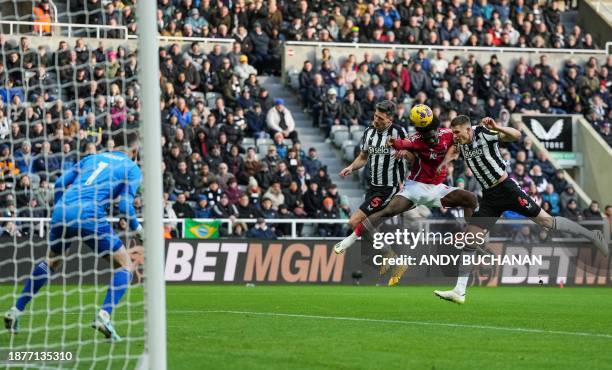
73	284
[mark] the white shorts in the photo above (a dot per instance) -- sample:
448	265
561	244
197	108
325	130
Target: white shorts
425	194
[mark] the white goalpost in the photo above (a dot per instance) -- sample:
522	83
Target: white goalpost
153	214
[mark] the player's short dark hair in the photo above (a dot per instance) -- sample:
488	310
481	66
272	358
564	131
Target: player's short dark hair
387	107
460	120
125	139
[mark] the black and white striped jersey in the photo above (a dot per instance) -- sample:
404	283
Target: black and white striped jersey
384	169
483	157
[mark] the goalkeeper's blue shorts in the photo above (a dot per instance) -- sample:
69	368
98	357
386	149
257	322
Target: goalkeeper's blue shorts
102	239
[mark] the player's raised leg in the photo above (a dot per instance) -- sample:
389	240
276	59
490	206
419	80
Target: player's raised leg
397	205
367	228
355	224
461	198
566	225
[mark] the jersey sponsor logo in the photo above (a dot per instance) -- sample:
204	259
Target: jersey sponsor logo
467	153
379	150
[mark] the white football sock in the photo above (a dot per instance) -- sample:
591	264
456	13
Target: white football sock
464	273
349	241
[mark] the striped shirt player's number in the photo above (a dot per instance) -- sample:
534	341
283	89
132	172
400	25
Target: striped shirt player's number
96	173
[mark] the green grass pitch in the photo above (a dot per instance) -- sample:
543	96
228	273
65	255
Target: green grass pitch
366	327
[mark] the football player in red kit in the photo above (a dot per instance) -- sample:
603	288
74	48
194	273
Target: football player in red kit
427	149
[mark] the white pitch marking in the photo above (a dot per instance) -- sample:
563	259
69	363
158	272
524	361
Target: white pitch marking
425	323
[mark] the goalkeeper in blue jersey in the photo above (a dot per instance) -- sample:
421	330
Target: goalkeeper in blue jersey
82	197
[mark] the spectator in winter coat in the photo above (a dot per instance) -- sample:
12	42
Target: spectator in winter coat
279	144
224	209
313	199
275	194
279	119
329	212
245	208
261	44
316	96
184	181
182	208
233	191
350	110
567	196
292	194
419	80
312	162
256	122
552	198
593	212
305	80
202	209
243	70
571	211
331	109
261	231
265	209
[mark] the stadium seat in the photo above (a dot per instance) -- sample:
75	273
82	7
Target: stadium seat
293	79
210	98
336	128
248	141
347	143
288	142
262	149
198	95
348	152
357	134
264	141
341	136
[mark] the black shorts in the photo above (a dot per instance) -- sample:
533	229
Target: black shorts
506	196
377	198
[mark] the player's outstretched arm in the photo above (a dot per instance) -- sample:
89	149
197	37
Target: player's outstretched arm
359	162
504	133
450	156
400	144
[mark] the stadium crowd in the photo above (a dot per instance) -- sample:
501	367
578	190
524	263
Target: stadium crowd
522	23
261	26
345	92
60	105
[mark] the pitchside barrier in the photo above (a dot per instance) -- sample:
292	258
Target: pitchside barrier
558	261
39	225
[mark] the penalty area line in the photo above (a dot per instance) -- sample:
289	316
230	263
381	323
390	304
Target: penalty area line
403	322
